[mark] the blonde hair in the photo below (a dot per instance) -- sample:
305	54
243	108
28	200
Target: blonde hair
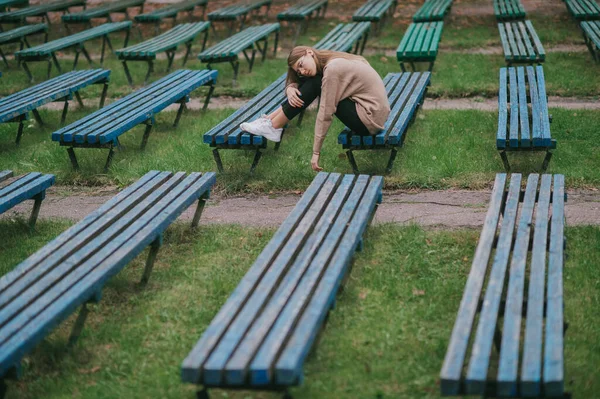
321	57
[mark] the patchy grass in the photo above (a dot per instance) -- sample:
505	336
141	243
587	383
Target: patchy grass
386	337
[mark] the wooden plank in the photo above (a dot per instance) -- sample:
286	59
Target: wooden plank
22	31
177	35
525	139
511	332
502	111
532	347
514	105
457	348
417	96
25	191
536	110
545	118
5	174
102	11
505	44
170	11
536	40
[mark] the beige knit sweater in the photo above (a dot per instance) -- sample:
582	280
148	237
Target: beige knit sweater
357	80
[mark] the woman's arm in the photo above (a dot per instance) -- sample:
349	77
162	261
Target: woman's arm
330	91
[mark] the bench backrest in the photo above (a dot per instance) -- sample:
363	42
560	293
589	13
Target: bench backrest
421	41
235	44
72	40
343	36
181	33
21	31
101	11
508	9
25	187
432	10
40	9
373	10
521	42
49	285
169	11
529	245
265	329
521	124
53	89
107	124
235	10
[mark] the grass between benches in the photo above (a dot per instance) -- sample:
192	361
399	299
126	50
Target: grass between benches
385	339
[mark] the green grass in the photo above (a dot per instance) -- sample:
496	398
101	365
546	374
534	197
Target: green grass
386	337
442	149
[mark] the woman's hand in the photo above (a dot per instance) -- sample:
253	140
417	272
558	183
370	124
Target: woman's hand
314	162
293	96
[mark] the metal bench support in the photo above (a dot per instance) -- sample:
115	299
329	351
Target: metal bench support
154	248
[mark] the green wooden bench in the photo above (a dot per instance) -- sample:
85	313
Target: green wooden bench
376	12
432	10
47	51
591	35
302	13
167	42
6	5
253	38
238	12
507	10
31	186
41	10
157	16
19	35
351	37
583	9
521	43
420	44
513	298
103	11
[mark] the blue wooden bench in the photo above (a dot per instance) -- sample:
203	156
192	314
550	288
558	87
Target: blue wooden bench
591	35
6	5
526	324
432	10
157	16
227	135
47	51
167	42
19	35
41	10
420	44
253	38
103	128
376	12
238	12
523	119
302	13
521	43
103	11
16	107
31	186
508	10
583	9
71	271
406	92
261	336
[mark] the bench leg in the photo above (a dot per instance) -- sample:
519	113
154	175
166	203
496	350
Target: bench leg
19	132
199	209
3	388
37	117
78	327
146	135
208	97
63	117
154	247
4	58
102	50
352	161
505	161
127	73
28	72
218	160
298	29
78	98
182	107
275	44
255	161
76	60
188	49
36	209
170	57
73	158
264	50
204	40
124	42
150	70
390	163
364	43
236	66
87	56
111	153
546	160
103	96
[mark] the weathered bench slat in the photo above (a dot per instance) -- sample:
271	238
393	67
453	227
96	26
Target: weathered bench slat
457	348
520	42
523	113
420	44
502	109
301	10
583	9
535	108
24	188
236	10
170	11
591	35
18	33
508	368
482	347
5	174
191	369
102	11
4	4
344	36
39	10
432	10
506	10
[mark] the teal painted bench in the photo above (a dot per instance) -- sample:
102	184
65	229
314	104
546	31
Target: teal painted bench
157	16
47	51
227	135
523	119
508	10
377	12
7	5
167	42
302	13
523	256
254	38
103	128
420	44
103	11
263	333
521	43
19	35
591	35
238	12
71	270
20	16
583	9
432	10
31	186
16	107
406	92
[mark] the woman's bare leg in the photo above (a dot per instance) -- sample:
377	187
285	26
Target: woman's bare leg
278	118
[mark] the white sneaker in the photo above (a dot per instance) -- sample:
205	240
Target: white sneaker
263	126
